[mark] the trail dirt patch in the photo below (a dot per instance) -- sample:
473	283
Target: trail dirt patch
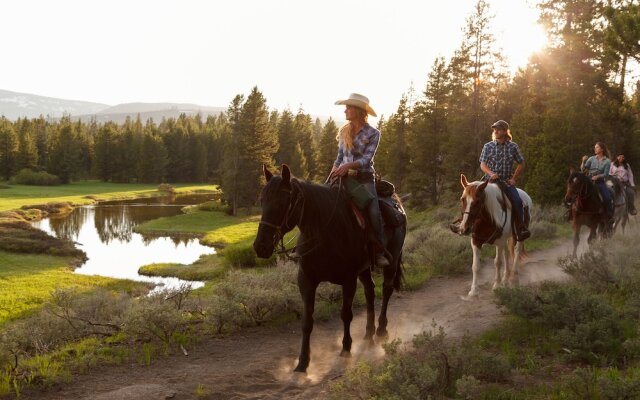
258	363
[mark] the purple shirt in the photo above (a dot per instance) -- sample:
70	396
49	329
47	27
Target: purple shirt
365	143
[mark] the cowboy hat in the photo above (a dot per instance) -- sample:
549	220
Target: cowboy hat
359	101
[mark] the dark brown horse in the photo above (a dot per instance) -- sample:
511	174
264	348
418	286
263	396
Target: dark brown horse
587	208
332	247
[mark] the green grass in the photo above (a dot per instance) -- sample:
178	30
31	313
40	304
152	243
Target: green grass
215	227
85	192
26	280
207	268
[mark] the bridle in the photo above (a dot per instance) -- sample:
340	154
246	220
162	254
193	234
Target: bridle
284	227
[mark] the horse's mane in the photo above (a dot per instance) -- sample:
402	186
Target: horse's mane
328	219
493	194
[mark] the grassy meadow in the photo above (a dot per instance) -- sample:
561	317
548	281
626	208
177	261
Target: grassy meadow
84	192
27	280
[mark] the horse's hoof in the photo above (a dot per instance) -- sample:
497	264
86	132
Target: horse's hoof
345	354
382	334
301	368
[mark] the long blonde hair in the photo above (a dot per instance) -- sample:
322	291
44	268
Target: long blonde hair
346	133
493	135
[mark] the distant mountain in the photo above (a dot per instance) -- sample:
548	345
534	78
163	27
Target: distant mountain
14	105
156	111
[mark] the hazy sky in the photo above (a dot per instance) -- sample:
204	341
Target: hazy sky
298	52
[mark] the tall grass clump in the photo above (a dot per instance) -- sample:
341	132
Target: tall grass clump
27	176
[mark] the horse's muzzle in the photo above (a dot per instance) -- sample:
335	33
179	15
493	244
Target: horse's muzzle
262	250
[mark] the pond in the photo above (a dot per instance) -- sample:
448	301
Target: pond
104	231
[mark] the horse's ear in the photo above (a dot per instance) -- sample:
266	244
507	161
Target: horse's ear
571	170
483	186
286	174
267	174
463	181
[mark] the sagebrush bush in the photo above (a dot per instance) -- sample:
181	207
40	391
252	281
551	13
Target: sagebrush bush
27	176
263	296
608	383
446	252
583	322
431	368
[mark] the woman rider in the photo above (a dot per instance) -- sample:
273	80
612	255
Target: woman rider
597	167
357	144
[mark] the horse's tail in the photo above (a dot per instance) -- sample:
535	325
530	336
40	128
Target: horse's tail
398	280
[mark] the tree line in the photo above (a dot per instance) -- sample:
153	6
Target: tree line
570	95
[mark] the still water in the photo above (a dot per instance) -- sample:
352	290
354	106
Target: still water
104	231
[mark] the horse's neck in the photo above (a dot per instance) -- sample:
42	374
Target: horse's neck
317	209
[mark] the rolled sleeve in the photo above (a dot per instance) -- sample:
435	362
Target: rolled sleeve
517	154
340	156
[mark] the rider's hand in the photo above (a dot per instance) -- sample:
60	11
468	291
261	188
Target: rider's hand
494	177
584	158
511	182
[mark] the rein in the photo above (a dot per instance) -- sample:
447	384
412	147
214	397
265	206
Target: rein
279	243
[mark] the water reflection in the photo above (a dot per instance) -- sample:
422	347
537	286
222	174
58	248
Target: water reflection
105	232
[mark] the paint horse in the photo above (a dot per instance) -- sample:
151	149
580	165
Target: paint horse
332	247
487	217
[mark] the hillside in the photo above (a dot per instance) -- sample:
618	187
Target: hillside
14	105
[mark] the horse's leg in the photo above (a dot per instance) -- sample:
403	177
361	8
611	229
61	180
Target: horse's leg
307	289
576	238
515	263
348	292
392	278
475	268
387	291
370	296
498	262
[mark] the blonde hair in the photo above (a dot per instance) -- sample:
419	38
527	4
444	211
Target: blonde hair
493	134
346	133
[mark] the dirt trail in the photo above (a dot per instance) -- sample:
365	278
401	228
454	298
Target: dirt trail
258	363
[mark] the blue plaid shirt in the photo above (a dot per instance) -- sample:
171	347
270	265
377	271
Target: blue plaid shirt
364	148
500	157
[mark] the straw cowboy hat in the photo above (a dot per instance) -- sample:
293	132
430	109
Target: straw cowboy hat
359	101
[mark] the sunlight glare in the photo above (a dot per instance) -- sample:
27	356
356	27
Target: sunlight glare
520	45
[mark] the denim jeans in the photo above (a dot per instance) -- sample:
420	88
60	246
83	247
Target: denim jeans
606	196
514	196
374	212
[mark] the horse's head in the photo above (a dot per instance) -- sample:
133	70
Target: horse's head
471	204
576	185
277	210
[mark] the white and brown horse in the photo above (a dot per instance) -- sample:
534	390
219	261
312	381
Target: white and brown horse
487	218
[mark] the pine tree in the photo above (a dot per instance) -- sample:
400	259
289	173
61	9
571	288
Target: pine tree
27	151
8	149
303	126
327	149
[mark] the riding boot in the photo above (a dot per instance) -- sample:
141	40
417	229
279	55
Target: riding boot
522	233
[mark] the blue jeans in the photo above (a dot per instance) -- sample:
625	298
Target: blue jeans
374	213
606	195
516	201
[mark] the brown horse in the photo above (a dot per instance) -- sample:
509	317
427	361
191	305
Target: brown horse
587	208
